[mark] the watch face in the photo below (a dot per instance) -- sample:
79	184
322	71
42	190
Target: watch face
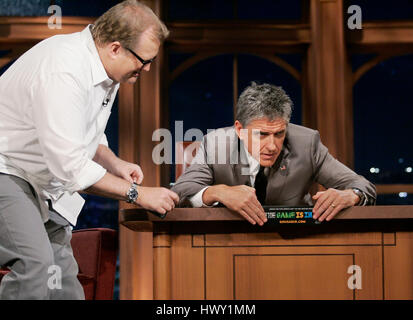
133	194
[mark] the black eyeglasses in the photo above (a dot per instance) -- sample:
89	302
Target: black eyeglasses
144	62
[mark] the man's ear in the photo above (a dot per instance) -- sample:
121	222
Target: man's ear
114	49
238	126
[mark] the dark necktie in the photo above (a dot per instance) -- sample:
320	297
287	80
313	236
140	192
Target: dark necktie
261	185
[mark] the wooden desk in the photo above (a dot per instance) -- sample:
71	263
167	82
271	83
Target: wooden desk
215	254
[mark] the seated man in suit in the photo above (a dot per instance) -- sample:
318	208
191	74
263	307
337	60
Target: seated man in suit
279	159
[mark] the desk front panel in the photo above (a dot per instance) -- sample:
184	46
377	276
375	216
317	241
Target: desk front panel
362	265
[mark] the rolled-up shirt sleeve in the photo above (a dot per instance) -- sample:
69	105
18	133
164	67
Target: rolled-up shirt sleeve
104	140
59	115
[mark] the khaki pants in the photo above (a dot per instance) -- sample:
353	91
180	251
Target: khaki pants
39	255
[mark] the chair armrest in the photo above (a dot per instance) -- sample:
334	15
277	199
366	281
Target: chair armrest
95	251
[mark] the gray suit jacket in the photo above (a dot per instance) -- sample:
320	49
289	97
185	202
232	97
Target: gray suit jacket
221	159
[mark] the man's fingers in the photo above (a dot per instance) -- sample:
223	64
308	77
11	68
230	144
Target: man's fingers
247	217
170	199
252	211
322	204
331	211
337	209
259	212
331	204
248	188
174	196
138	180
128	178
137	175
318	201
326	213
168	205
160	200
132	176
318	194
140	175
259	206
161	210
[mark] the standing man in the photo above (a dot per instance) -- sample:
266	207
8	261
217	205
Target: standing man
55	103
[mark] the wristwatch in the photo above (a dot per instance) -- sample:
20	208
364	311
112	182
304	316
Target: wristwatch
361	195
132	194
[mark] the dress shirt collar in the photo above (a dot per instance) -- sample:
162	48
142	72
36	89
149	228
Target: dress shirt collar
98	70
253	163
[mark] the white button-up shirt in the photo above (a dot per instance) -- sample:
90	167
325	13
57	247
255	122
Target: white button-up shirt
55	103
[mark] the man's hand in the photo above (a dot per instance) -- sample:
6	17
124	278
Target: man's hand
129	171
157	199
241	199
331	202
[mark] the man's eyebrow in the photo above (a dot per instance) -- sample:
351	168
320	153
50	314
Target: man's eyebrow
270	132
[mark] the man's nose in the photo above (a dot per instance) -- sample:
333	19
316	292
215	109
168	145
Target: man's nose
270	144
147	67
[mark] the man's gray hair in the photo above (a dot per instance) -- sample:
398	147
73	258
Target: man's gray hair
263	101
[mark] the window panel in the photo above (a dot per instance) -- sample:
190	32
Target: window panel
85	9
395	199
200	10
383	116
235	9
294	59
175	59
383	9
357	60
24	7
201	97
269	9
